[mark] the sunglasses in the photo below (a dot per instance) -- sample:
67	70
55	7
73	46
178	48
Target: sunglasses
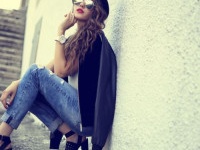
89	4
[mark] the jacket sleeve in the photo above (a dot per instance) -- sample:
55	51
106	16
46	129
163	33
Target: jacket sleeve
106	95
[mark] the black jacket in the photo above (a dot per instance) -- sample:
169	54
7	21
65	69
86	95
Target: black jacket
97	90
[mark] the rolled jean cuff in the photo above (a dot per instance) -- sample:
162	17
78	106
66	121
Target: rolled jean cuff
10	121
54	125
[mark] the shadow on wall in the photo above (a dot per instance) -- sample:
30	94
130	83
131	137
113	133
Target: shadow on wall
117	27
116	31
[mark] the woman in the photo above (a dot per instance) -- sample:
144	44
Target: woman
73	108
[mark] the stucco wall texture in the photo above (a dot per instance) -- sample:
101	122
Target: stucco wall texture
157	44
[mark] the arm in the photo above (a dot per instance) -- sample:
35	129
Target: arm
50	65
60	63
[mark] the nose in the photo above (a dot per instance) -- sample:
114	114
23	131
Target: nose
82	4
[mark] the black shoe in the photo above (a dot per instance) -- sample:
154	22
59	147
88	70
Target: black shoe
84	145
96	147
75	146
55	138
6	141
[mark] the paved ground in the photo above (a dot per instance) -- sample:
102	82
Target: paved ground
30	135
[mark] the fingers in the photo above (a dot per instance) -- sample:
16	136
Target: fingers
9	93
4	99
12	96
74	18
68	22
71	17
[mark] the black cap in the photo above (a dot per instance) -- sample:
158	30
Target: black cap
104	4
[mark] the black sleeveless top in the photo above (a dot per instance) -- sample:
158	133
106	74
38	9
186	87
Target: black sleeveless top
87	82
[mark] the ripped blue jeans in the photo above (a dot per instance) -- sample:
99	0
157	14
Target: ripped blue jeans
47	96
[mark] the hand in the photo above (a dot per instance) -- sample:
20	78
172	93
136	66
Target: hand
68	22
9	94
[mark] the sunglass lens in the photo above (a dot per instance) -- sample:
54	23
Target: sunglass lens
77	2
89	4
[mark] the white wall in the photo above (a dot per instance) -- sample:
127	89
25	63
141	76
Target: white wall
52	13
157	45
10	4
158	51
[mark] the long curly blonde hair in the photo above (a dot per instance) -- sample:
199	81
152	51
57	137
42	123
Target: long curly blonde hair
78	44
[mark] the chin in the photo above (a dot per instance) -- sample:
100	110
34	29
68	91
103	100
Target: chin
81	19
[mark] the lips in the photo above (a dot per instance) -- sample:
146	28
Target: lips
79	10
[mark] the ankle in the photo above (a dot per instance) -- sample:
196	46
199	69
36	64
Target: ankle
73	138
5	129
83	138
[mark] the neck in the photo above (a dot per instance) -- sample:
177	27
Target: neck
80	24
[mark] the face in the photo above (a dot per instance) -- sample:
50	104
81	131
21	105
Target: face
83	9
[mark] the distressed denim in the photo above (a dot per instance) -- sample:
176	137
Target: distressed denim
49	97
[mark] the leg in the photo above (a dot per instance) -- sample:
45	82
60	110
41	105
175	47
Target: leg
62	97
24	98
47	115
69	111
43	111
58	94
9	123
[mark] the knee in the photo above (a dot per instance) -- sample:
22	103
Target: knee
34	67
